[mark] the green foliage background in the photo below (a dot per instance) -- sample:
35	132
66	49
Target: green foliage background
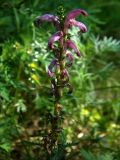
92	111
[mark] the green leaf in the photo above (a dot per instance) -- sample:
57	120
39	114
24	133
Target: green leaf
6	146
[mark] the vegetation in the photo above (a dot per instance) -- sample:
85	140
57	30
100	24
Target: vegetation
91	128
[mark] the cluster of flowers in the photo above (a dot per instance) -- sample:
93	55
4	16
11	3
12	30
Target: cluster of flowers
62	52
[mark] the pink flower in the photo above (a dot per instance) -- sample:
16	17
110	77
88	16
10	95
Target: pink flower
75	23
51	66
54	37
70	20
62	52
75	13
70	44
65	76
48	18
71	58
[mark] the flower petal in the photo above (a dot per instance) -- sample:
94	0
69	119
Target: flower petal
54	37
72	15
75	13
65	76
82	27
71	58
50	67
70	44
50	73
49	18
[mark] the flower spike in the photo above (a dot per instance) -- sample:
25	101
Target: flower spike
70	44
58	68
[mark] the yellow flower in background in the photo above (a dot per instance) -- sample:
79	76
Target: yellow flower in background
35	78
95	116
85	112
33	65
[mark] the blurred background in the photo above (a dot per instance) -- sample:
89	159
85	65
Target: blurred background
92	111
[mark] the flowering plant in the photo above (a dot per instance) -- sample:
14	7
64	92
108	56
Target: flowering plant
63	59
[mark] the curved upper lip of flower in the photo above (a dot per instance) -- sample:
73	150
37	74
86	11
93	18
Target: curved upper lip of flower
75	13
53	38
70	44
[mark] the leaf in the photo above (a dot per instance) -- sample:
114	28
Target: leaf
87	155
6	146
4	92
90	156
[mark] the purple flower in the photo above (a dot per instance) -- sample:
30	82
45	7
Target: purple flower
54	37
70	20
75	23
71	58
70	44
65	76
61	52
48	18
51	66
75	13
